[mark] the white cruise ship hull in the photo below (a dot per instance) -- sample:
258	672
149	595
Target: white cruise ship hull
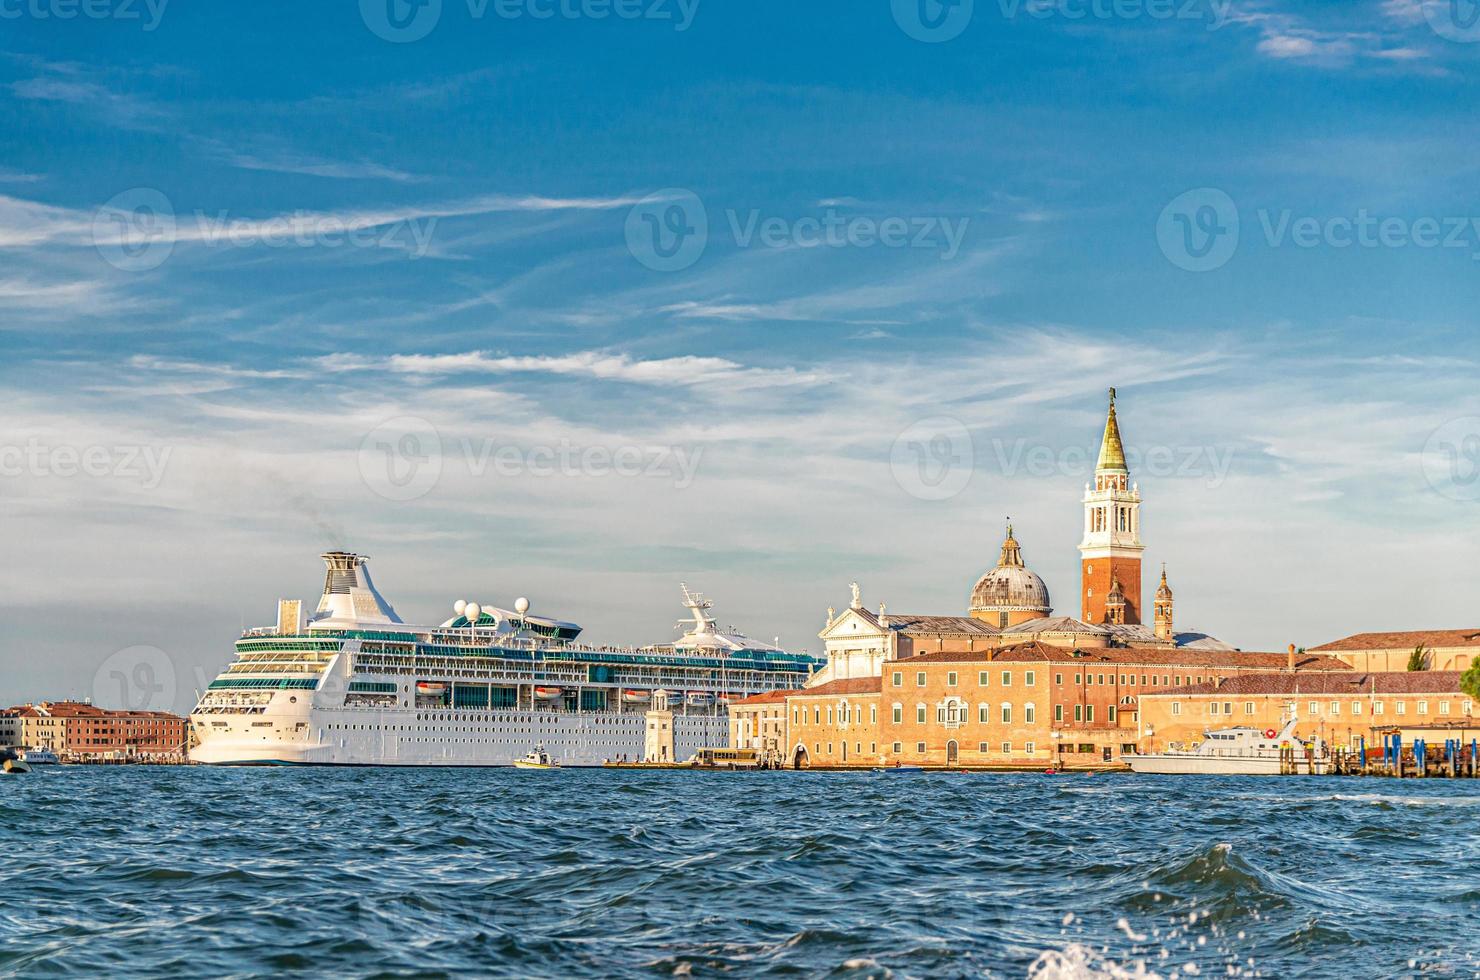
407	737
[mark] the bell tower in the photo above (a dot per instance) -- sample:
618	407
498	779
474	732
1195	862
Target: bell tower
1162	609
1110	553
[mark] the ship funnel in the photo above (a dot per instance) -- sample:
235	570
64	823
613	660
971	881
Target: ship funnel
349	595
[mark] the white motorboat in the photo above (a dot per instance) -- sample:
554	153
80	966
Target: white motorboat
1240	752
39	757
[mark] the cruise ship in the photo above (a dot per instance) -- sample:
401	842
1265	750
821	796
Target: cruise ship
355	685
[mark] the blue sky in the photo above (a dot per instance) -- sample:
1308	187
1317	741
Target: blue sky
250	250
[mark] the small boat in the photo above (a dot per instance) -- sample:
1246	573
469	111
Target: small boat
11	763
699	699
430	689
39	757
637	697
538	759
547	693
899	768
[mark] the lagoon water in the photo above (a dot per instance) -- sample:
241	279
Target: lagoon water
426	872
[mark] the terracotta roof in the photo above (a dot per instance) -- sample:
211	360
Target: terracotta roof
1405	640
851	685
1348	682
769	697
1172	658
80	709
1057	624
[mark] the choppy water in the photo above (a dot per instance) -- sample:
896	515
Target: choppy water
191	872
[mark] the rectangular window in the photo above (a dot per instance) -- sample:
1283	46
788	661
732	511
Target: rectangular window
982	747
1112	714
951	679
920	748
1007	714
873	715
1176	707
1402	707
920	713
940	714
983	714
1335	708
1058	712
1315	709
1377	707
816	716
920	678
1079	712
1213	708
1007	748
1443	707
1228	707
829	716
898	714
897	748
1423	707
898	678
1102	680
1058	679
1356	707
1029	748
1089	713
1077	679
1248	707
1029	714
1007	678
1030	678
983	678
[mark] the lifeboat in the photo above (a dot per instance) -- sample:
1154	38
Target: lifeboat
637	697
547	693
699	699
431	689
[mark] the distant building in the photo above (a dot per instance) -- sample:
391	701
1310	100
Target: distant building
1340	707
759	723
1442	649
80	731
1030	704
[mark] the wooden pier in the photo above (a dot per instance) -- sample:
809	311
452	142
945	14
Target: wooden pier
1419	759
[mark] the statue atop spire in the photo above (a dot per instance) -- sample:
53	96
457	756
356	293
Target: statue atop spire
1112	450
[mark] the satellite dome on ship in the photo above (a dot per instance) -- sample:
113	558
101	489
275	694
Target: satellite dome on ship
1010	593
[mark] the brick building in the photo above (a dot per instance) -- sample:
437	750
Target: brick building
1339	707
1442	649
79	731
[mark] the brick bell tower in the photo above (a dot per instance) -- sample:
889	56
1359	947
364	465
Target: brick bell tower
1110	554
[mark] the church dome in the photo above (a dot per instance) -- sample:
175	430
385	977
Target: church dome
1010	587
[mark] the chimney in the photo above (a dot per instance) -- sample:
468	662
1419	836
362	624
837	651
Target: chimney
1290	664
